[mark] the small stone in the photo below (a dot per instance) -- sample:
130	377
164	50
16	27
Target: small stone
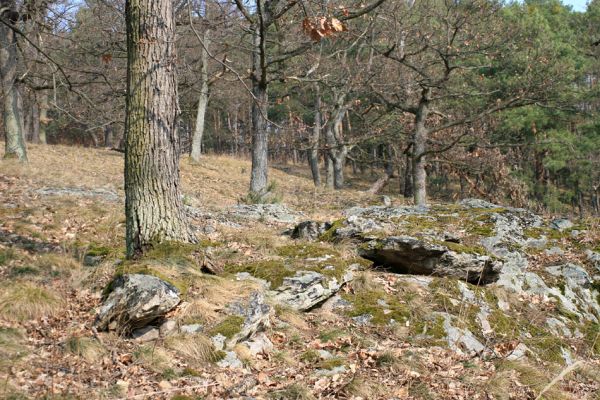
164	385
561	224
362	319
330	372
145	334
168	327
386	201
260	343
324	354
92	261
218	341
555	251
230	361
191	328
382	303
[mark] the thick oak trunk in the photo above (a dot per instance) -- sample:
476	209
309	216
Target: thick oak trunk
153	204
12	112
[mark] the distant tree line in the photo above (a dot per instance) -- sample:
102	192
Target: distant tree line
426	98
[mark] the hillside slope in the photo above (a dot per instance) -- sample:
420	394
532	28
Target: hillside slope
466	301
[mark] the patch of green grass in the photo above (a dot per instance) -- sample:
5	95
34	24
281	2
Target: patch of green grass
7	255
305	250
228	327
276	270
24	270
366	302
330	363
591	332
329	335
273	271
310	356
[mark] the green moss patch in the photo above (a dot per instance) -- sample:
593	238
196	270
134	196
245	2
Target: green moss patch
276	270
305	250
329	234
366	302
228	327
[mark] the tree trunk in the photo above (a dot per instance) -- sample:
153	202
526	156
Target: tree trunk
329	170
408	183
337	149
202	100
35	122
313	152
153	206
418	155
260	146
43	107
12	113
109	134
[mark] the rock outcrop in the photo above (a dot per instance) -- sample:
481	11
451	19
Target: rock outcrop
408	255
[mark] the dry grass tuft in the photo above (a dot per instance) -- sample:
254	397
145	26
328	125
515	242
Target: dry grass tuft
12	346
295	391
197	349
362	388
210	294
26	301
521	373
154	357
89	349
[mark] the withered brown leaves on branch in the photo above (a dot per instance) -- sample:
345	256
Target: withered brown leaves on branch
319	27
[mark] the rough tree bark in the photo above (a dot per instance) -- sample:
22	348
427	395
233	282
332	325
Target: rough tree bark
338	150
419	148
313	152
196	152
12	113
153	206
260	106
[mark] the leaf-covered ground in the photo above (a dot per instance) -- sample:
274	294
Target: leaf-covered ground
68	203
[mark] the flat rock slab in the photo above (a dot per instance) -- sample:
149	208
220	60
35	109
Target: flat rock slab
104	194
408	255
266	212
136	300
307	289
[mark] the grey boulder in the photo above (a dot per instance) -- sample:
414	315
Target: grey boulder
136	301
307	289
310	230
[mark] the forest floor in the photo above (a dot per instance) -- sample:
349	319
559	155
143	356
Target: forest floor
68	200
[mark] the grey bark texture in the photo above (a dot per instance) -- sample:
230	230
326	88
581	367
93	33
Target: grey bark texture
260	147
419	147
313	152
153	205
338	150
43	106
12	113
196	152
